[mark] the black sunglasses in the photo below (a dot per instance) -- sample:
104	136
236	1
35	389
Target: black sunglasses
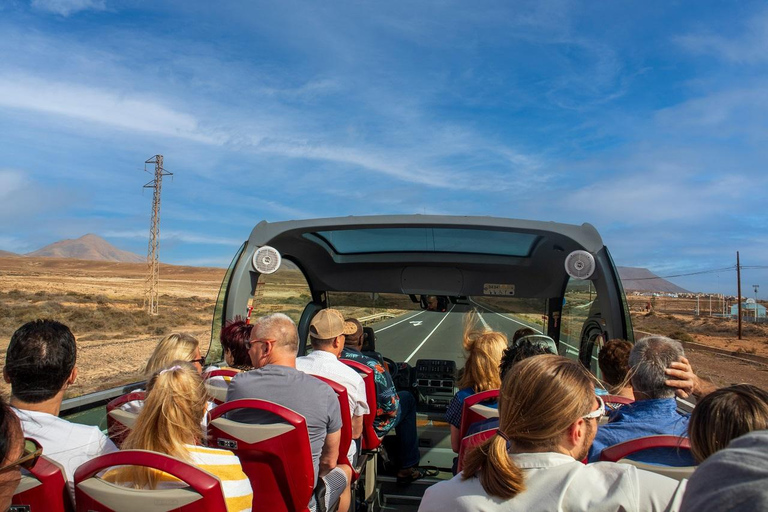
28	459
201	361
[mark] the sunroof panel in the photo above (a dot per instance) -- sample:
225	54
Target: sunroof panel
410	239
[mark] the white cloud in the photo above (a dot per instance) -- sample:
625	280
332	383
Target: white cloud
103	106
67	7
750	46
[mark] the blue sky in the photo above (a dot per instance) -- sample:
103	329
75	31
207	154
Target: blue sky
646	119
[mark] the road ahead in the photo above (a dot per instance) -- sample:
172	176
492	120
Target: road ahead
431	335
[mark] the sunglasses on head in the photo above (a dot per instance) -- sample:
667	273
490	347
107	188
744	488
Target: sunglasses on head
28	459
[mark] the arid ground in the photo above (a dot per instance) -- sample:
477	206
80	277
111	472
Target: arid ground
102	304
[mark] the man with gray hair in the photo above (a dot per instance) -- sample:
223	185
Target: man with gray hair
272	348
659	371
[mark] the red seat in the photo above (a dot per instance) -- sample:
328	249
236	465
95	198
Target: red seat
120	422
43	489
346	423
620	452
92	494
370	439
275	453
218	394
469	442
473	409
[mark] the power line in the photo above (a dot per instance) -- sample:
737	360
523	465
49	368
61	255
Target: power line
700	272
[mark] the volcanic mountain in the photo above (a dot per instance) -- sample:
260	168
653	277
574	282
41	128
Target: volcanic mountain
643	280
88	247
8	254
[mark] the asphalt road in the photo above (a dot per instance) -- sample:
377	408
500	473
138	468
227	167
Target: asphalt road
432	335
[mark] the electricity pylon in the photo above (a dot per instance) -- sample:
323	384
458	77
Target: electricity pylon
153	254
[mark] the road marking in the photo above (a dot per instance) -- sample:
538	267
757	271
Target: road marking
415	323
485	324
401	321
504	317
430	334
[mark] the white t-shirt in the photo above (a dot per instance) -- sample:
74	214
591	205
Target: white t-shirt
69	444
327	365
557	482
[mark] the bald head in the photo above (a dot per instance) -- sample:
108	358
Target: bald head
278	327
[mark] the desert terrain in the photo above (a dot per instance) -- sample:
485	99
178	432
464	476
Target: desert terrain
102	304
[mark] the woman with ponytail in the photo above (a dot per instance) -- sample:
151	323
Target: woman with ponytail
170	423
548	414
481	372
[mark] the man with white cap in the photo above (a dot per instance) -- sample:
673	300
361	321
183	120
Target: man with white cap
326	334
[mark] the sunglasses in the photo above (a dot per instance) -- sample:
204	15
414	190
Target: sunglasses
597	413
251	342
201	361
28	459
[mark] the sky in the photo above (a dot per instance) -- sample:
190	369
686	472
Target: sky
646	119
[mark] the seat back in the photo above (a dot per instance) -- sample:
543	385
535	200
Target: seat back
272	443
681	446
469	442
371	440
346	420
43	489
217	383
474	410
119	421
203	492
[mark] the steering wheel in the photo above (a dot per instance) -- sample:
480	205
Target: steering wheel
393	368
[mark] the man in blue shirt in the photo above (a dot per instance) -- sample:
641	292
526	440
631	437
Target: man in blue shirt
655	363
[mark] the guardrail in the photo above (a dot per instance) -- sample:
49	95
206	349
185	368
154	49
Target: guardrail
370	319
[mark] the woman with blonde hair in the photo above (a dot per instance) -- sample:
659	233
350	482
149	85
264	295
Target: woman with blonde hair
481	373
724	415
548	416
169	423
174	347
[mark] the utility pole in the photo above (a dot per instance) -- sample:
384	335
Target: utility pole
153	253
738	287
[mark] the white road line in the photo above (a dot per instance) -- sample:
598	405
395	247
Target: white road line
504	317
485	324
430	334
401	321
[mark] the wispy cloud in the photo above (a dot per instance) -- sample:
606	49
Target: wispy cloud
747	45
67	7
176	236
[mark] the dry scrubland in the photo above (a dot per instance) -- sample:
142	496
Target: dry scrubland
102	304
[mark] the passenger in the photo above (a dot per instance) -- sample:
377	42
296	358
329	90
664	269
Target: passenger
174	347
548	414
11	454
326	333
652	361
481	373
40	366
613	361
234	342
513	354
724	415
523	331
169	423
393	409
732	479
273	346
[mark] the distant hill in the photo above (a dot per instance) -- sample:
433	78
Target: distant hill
8	254
643	280
88	247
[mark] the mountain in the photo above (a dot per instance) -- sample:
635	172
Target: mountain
8	254
643	280
88	247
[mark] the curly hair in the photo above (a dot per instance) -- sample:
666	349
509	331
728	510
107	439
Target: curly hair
613	360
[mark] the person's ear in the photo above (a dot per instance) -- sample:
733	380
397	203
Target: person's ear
576	432
72	376
6	378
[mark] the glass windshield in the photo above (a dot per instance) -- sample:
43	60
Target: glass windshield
472	241
406	333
